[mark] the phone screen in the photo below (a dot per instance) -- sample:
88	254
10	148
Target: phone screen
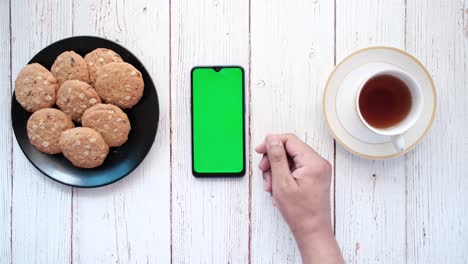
218	147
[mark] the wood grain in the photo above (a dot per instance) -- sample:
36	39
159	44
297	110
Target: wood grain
411	209
437	206
292	54
370	195
209	216
41	207
6	139
129	221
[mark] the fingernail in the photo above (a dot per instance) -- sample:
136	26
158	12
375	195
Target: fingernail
273	141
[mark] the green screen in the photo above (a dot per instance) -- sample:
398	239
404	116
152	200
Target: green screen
218	120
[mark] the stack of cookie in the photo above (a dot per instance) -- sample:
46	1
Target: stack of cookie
89	91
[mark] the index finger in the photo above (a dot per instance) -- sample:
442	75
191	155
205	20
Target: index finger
276	153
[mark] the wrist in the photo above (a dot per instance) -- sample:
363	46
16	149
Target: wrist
318	243
311	227
313	234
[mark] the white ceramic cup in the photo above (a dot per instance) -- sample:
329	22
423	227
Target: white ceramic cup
395	132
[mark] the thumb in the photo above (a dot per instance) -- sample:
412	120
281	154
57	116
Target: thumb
278	160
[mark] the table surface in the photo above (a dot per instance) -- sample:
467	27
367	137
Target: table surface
411	209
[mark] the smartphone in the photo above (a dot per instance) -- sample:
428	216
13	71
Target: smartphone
218	134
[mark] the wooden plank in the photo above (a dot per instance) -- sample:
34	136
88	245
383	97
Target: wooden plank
6	138
130	218
437	206
292	54
41	207
210	217
370	195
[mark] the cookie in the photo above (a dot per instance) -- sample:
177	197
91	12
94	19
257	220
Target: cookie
111	122
120	84
84	147
97	58
35	87
74	97
70	66
45	126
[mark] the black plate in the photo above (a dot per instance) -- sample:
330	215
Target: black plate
122	160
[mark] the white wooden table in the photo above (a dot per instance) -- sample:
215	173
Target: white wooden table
412	209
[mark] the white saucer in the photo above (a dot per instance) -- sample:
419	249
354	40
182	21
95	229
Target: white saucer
339	96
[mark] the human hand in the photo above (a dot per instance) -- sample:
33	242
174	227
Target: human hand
299	180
